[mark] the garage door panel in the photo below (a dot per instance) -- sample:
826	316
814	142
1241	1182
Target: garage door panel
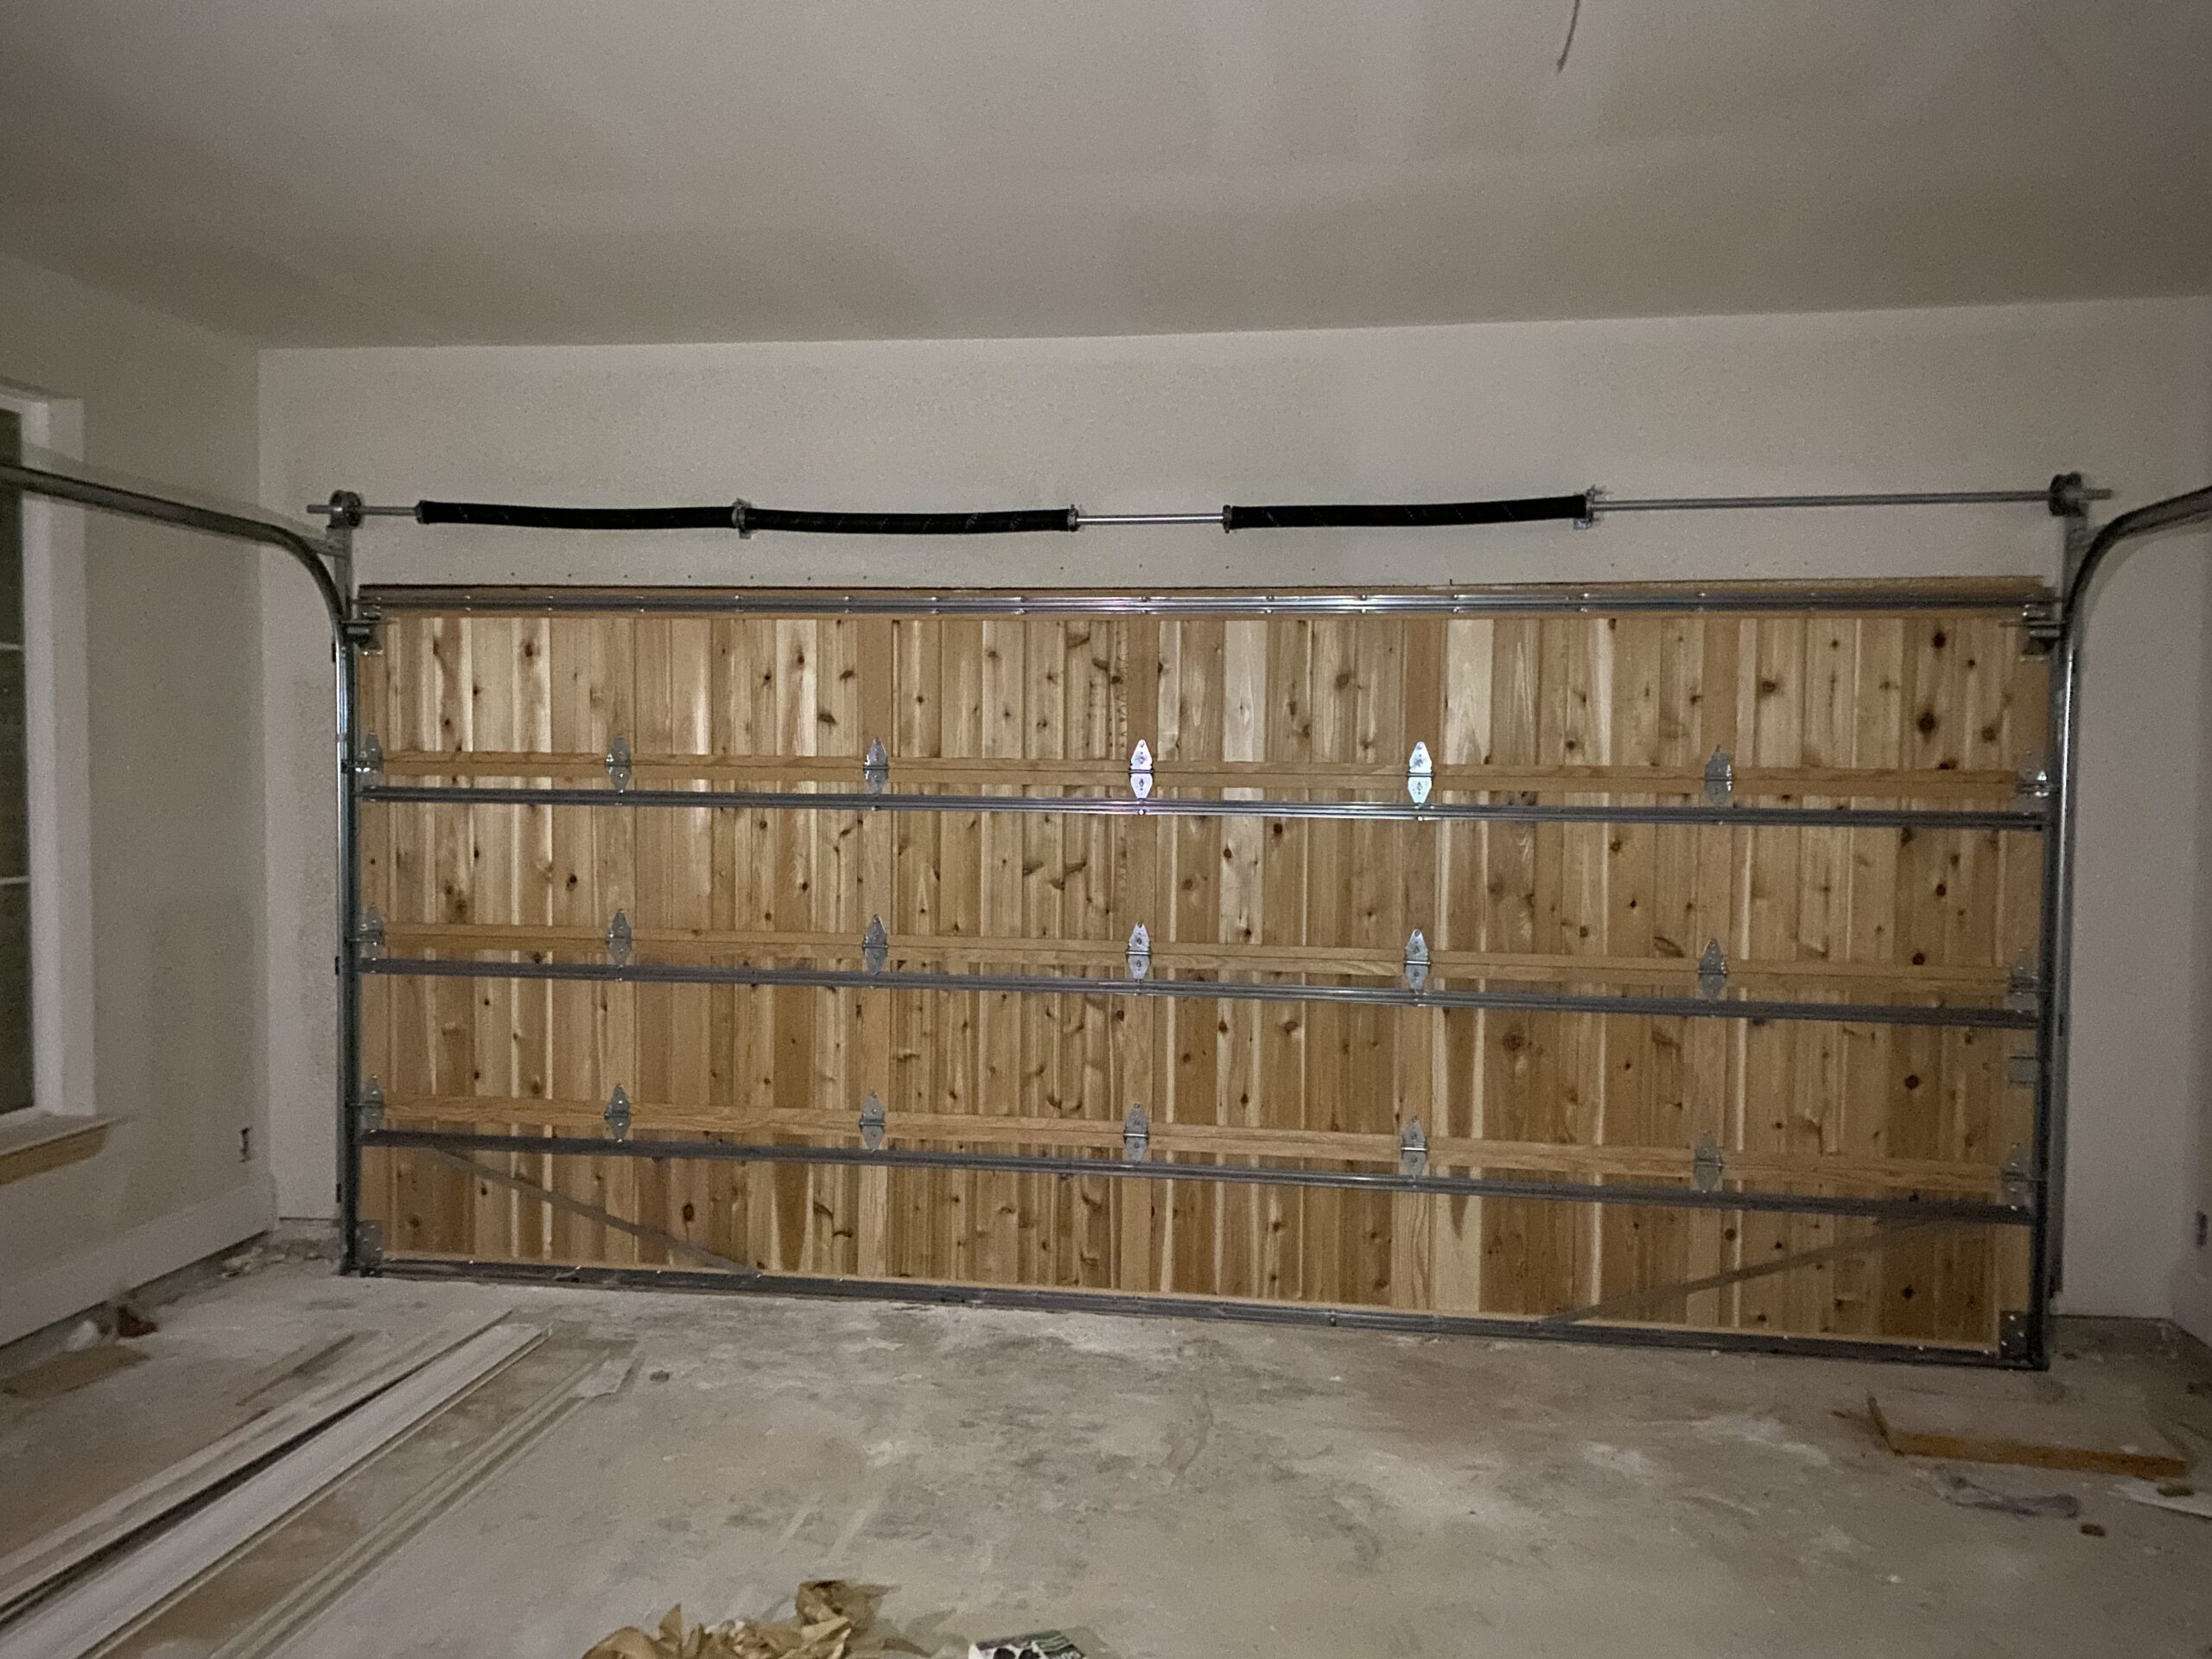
1939	709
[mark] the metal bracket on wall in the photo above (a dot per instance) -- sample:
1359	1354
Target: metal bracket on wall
1417	961
1136	1136
368	1108
2042	621
872	1121
1413	1149
1420	772
1720	777
620	939
368	934
368	1246
875	946
1140	953
1140	770
875	769
368	759
1707	1165
618	761
617	1115
1712	971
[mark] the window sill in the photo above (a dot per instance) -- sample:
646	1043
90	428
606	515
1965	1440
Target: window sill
32	1144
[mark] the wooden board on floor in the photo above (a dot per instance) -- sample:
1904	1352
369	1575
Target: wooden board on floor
2101	1438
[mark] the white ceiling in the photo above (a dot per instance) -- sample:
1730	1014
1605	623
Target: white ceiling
384	171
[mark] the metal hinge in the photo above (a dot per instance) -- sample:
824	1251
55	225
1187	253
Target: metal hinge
620	939
1140	770
618	761
2023	1071
875	769
368	934
1420	772
871	1122
2022	985
1712	971
1707	1165
1413	1149
1720	777
368	1108
1417	961
2012	1328
875	946
617	1115
1136	1136
2016	1178
1140	953
368	759
364	630
2032	783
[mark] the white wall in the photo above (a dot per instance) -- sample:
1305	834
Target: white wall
173	654
1977	397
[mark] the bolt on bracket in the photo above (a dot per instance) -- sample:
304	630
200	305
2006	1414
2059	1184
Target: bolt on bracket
368	1108
871	1122
368	934
1140	770
1136	1136
2032	784
1140	953
1417	961
368	759
1707	1164
1413	1149
875	769
1420	772
618	761
1712	971
617	1115
1720	777
875	946
2022	985
620	939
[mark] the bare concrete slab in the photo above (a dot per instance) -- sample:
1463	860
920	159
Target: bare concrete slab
1185	1490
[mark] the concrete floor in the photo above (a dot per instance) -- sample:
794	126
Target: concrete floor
1184	1490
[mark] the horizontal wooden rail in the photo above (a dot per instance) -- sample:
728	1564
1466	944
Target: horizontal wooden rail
1839	783
1218	1141
691	943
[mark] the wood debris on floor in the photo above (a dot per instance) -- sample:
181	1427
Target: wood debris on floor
72	1369
2099	1438
831	1618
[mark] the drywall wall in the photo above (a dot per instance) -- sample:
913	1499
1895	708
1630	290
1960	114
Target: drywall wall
1970	396
173	710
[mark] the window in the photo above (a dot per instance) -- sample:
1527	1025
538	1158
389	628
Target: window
15	814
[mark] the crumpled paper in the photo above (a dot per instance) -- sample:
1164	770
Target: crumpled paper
832	1619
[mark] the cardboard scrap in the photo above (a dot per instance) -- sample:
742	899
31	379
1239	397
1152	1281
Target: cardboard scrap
832	1619
2179	1496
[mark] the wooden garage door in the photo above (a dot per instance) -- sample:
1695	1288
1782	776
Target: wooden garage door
1934	709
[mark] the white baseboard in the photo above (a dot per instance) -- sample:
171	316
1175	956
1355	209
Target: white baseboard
132	1259
2193	1300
